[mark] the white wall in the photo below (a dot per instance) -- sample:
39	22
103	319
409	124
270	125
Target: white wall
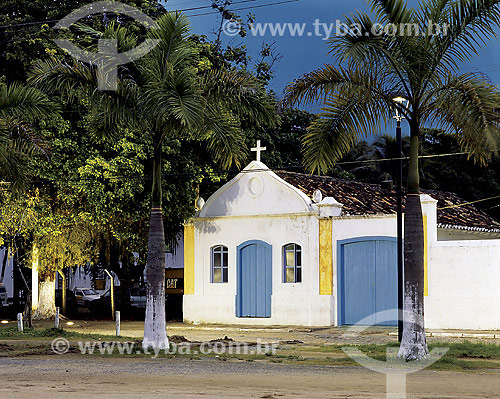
463	278
291	304
175	259
463	272
256	191
464	285
8	281
463	275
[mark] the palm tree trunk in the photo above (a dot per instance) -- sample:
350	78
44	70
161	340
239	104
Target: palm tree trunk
413	343
155	333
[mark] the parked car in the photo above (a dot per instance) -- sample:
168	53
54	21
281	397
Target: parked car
85	295
71	306
102	306
136	298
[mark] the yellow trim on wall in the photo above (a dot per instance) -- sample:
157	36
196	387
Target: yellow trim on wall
325	257
188	259
426	252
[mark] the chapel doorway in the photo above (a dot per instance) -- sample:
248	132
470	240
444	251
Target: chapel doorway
254	279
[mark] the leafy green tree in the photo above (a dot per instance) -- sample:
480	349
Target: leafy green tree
60	238
283	142
17	219
236	54
167	97
20	109
25	38
108	185
374	65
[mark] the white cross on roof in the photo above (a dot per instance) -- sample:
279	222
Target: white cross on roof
258	150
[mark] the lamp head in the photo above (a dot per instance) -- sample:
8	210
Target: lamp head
399	99
403	102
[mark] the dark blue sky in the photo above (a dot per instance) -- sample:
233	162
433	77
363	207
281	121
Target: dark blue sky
303	54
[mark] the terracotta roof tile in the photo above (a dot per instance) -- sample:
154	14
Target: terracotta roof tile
369	199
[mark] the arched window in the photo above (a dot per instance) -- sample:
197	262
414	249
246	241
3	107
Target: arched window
219	264
292	263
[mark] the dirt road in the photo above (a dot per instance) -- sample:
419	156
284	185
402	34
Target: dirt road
73	376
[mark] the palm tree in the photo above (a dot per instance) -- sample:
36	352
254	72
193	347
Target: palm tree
20	108
373	68
384	147
166	95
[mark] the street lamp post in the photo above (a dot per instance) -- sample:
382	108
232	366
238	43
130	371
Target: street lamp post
399	117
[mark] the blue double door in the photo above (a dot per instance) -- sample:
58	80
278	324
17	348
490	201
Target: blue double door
368	281
254	279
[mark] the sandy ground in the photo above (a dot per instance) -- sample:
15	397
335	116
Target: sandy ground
79	377
322	336
75	376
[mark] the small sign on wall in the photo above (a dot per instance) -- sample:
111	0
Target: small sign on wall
174	281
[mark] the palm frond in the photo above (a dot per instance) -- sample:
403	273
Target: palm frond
433	10
359	44
224	137
346	118
173	100
25	103
470	24
324	83
110	111
17	145
392	11
173	47
53	76
240	93
469	105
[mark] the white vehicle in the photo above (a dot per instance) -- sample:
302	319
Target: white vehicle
84	296
4	300
137	298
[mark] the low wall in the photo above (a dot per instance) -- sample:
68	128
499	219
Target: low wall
299	310
463	285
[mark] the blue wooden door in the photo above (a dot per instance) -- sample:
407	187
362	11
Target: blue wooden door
359	281
254	279
386	281
368	280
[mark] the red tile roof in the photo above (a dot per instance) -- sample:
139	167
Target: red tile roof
369	199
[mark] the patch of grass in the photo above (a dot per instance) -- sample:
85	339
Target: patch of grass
472	350
461	356
33	333
453	364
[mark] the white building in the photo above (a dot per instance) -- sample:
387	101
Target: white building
261	251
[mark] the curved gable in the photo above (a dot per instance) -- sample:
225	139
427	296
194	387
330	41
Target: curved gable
256	191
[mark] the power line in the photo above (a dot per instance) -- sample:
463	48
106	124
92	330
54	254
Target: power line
187	9
401	158
470	203
248	8
183	3
492	207
182	10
